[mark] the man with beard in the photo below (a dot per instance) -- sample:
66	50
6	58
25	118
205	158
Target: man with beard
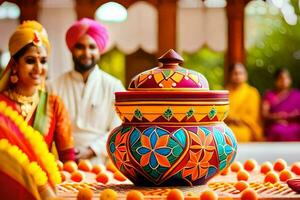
87	91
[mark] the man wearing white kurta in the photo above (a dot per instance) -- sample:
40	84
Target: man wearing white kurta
88	92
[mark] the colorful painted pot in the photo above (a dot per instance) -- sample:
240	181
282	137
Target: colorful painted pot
173	131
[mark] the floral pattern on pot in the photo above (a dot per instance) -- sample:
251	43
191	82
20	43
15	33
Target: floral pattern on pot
168	155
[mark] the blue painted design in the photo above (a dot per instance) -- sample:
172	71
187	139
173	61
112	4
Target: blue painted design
153	139
230	134
205	130
148	131
181	137
161	132
153	162
112	147
163	151
142	150
211	171
221	148
134	136
228	149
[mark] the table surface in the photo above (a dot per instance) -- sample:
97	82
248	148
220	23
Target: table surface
222	185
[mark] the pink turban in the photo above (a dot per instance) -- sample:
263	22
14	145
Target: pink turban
87	26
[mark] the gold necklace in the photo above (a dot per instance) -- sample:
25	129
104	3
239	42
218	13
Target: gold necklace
27	103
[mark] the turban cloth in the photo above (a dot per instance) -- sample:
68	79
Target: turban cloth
90	27
26	33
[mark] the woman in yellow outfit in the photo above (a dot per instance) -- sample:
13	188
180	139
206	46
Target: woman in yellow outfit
244	101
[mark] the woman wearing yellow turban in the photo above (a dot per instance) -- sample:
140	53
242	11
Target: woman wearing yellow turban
22	88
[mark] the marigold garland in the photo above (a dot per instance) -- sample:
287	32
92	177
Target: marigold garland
39	176
38	144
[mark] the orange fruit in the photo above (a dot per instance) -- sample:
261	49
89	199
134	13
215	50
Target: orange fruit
249	194
85	194
250	165
97	169
208	195
225	171
119	176
77	176
108	194
271	177
236	166
242	175
285	175
241	185
134	195
279	165
70	166
295	167
111	167
266	167
60	165
85	165
102	178
175	194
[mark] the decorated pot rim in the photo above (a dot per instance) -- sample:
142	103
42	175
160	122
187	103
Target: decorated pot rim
166	96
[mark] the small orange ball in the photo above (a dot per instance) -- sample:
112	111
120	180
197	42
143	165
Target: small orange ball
266	167
250	165
236	166
279	165
208	195
60	165
77	176
102	178
175	194
85	165
134	195
85	194
249	194
271	177
285	175
242	175
119	176
111	167
295	167
108	194
97	169
70	166
225	171
241	185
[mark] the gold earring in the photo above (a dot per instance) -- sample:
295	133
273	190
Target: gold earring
14	79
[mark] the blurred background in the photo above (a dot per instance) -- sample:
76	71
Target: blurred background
210	34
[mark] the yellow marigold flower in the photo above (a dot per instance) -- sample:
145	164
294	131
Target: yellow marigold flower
33	167
23	127
18	120
39	147
14	115
2	105
8	111
4	144
40	177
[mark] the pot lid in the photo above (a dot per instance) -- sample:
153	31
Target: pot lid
169	76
